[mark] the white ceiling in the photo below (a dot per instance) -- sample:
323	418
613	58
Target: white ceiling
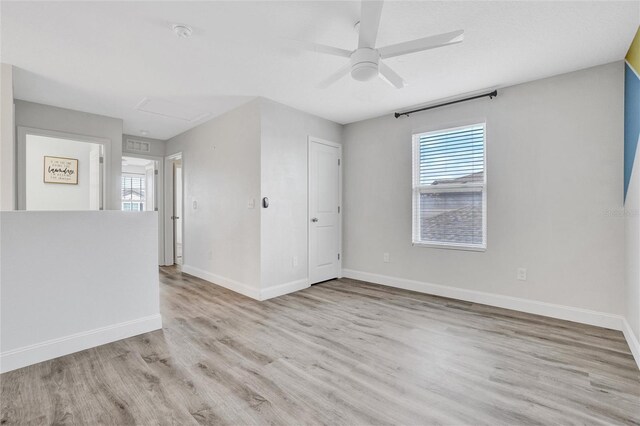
107	57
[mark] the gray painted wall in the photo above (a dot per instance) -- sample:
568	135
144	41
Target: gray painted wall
221	163
7	140
90	291
257	150
284	142
554	155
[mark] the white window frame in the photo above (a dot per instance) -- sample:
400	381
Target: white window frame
140	202
446	188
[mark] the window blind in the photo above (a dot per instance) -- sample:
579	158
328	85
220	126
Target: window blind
455	156
449	187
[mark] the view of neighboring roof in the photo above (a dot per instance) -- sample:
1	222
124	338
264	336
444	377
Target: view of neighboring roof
454	217
473	177
460	225
133	194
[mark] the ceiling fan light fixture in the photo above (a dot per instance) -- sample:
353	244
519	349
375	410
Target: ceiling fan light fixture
367	61
364	71
364	64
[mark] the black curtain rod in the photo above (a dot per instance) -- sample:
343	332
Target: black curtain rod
490	95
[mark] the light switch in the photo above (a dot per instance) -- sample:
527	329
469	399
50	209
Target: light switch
252	203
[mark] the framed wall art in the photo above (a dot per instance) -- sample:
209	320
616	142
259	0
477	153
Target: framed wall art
61	170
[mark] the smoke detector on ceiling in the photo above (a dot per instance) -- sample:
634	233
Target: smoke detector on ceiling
182	31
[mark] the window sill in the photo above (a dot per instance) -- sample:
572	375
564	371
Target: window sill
450	246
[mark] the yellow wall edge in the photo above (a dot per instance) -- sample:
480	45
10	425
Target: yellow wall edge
633	55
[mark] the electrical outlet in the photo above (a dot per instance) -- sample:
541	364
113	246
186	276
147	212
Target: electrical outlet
294	261
522	274
195	205
385	257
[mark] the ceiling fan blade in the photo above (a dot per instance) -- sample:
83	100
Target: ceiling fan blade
369	23
344	70
390	75
421	44
320	48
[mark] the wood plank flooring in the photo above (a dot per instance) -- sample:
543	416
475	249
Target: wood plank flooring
342	352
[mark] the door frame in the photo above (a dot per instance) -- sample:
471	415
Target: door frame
168	208
311	140
159	200
21	160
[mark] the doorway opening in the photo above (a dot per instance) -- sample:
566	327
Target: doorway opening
141	190
139	185
174	224
60	172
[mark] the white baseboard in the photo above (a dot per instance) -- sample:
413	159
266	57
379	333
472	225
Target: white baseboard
632	340
281	289
32	354
228	283
238	287
569	313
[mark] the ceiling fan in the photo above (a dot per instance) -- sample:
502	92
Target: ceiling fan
366	62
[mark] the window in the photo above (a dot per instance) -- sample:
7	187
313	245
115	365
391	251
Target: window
133	192
449	188
132	207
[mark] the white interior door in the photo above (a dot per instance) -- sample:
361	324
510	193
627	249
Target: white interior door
324	210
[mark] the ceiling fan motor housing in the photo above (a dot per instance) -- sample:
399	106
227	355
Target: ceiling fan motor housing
364	64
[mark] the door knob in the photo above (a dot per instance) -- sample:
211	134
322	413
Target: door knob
314	219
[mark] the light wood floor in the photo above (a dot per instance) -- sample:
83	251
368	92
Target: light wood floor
342	352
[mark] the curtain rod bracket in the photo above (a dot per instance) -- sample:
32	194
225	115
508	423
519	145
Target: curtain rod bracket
491	95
